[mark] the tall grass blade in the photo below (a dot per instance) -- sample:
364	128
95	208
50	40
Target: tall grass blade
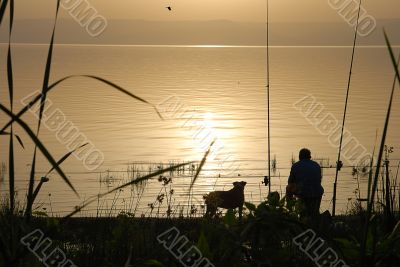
52	86
370	173
11	172
132	182
392	57
17	137
9	57
36	192
31	103
119	88
10	80
3	9
42	105
199	168
203	161
19	141
396	186
381	150
47	70
28	210
65	157
388	205
40	145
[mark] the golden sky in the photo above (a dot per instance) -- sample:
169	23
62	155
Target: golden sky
236	10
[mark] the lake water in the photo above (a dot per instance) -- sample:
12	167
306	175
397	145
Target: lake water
203	93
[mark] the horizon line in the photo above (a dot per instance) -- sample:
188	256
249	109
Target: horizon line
204	46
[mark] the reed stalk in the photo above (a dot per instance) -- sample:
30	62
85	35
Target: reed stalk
10	79
46	78
380	153
3	6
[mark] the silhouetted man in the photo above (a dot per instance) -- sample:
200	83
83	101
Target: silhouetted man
305	183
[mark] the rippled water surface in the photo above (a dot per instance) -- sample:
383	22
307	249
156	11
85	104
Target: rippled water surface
202	93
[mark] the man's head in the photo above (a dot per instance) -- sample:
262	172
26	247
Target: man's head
304	154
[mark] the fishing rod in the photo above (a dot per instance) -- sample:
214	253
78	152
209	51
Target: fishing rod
339	163
267	179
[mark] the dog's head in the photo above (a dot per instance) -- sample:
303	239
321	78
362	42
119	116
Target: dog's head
241	184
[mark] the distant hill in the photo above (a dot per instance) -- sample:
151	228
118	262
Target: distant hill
142	32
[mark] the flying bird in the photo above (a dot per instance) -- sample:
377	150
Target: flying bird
169	8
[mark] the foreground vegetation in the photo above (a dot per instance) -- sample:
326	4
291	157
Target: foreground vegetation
263	238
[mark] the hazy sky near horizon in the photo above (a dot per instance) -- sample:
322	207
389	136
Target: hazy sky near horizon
236	10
